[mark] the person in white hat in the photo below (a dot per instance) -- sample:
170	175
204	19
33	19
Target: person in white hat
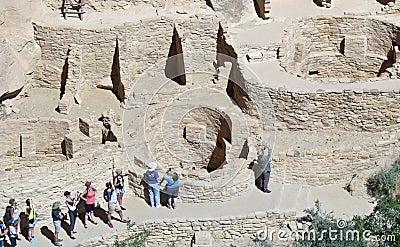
150	177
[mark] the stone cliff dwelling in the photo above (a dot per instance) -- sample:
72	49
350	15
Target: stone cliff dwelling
198	86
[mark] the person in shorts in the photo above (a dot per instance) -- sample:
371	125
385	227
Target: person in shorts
12	212
57	217
110	195
31	213
119	186
88	195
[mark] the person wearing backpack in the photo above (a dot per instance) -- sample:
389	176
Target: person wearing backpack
119	186
110	196
32	215
72	212
3	233
151	176
88	196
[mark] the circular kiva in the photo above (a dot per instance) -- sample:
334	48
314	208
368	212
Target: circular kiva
345	49
196	129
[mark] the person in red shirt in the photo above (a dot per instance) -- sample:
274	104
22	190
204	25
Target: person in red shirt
88	195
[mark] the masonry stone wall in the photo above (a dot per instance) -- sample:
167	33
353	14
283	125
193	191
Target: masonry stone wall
224	230
363	110
47	133
45	181
332	166
340	49
141	44
200	190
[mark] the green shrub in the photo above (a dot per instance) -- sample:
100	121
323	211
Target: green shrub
137	239
385	181
383	221
323	223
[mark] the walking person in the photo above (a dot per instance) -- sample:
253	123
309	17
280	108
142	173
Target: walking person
57	217
32	215
72	211
119	186
171	188
3	233
88	195
110	195
151	176
264	168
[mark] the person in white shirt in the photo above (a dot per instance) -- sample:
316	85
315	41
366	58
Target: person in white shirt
72	211
110	195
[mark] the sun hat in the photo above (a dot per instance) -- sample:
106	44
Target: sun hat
118	171
67	193
56	205
152	166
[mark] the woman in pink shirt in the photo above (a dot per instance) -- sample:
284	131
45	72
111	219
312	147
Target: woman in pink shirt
88	195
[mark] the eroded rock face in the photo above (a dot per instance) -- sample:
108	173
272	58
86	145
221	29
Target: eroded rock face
19	54
11	72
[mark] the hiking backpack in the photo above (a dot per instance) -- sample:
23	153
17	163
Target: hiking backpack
7	214
106	195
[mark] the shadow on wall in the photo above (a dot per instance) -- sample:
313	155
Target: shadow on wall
64	75
259	6
384	2
318	3
218	156
175	66
391	59
118	88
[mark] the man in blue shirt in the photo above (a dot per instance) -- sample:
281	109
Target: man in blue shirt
151	176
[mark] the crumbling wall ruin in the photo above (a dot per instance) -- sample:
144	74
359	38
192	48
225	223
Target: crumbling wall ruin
101	5
137	49
342	49
47	135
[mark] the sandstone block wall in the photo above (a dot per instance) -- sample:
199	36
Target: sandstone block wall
141	44
363	110
332	166
195	190
48	134
318	48
45	182
224	230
